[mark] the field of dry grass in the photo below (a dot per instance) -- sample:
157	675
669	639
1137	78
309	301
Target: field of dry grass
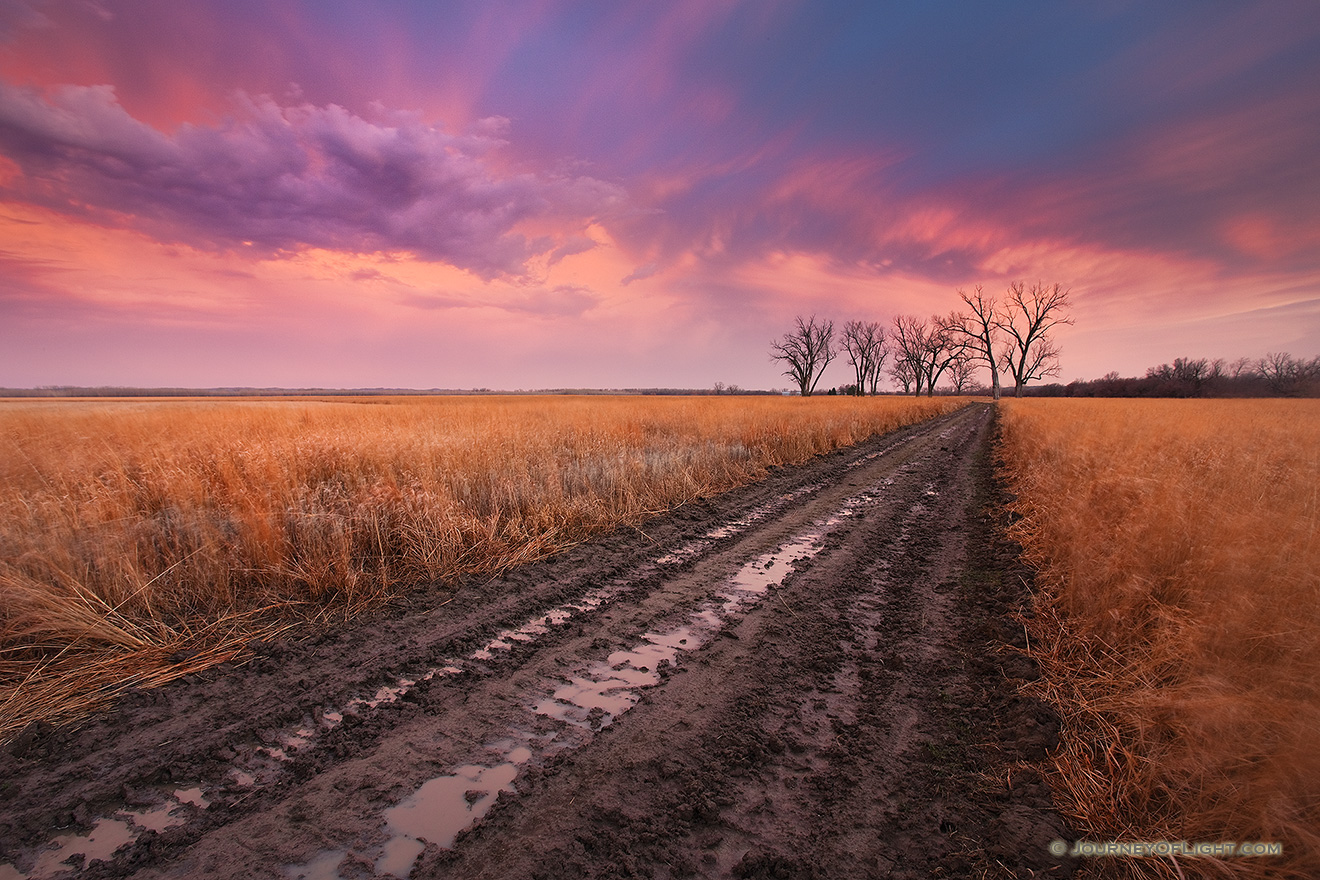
140	540
1178	619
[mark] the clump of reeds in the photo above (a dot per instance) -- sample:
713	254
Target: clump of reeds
1178	619
144	539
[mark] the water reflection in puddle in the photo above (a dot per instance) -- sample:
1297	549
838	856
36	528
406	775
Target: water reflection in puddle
107	835
737	526
608	688
442	808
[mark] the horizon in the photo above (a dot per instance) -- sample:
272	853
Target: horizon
630	196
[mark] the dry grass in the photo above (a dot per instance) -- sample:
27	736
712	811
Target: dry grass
140	540
1179	619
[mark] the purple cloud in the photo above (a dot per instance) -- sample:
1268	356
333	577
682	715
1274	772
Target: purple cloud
283	178
640	273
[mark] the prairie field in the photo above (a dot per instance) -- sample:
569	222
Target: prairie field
1178	619
144	539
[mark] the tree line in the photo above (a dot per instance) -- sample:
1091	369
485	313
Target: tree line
1009	334
1277	374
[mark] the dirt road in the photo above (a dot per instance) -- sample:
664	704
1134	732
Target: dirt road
802	678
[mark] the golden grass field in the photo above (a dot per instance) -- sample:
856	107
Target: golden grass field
143	539
1178	620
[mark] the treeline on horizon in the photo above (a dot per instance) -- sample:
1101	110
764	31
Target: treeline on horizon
1275	375
1278	374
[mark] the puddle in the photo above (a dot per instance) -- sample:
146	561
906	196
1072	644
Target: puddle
99	844
241	779
594	697
436	813
737	526
442	808
757	576
107	835
256	763
323	867
192	796
607	689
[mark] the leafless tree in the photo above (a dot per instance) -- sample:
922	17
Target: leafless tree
1027	317
979	326
1285	373
873	379
864	341
901	371
1189	370
807	350
961	370
1186	376
945	343
1240	367
911	342
1277	368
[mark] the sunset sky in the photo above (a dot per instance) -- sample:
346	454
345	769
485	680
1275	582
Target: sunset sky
619	194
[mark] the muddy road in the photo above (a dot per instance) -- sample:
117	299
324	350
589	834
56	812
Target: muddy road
813	676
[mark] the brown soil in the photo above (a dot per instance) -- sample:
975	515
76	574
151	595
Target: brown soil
650	708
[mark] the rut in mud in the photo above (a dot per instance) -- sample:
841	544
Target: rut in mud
809	677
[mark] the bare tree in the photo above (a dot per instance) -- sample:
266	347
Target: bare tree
944	345
1285	373
961	370
980	327
901	371
910	341
873	378
864	341
807	350
1185	377
1243	366
1027	317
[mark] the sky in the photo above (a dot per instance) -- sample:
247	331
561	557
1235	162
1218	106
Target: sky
551	194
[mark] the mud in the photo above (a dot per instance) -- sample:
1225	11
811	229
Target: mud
814	676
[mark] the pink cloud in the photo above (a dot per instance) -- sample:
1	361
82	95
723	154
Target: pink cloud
283	178
559	301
